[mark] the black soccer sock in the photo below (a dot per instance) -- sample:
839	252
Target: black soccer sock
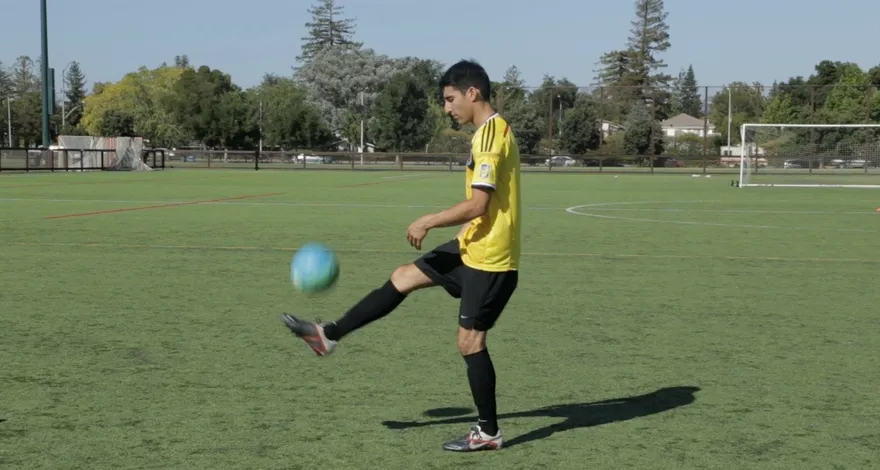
373	306
481	375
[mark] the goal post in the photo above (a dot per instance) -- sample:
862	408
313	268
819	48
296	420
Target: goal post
809	155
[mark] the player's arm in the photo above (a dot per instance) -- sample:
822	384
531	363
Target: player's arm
486	154
463	212
482	185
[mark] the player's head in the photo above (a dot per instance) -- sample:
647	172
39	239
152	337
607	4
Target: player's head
465	87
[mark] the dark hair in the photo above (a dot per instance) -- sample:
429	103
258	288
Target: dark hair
466	74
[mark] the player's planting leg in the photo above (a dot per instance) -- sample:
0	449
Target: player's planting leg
484	297
323	337
481	377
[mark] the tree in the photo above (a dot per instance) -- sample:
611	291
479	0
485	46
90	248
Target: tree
338	80
847	103
327	29
511	90
614	68
686	96
74	94
648	38
402	115
580	127
874	73
144	95
289	122
6	91
527	126
748	106
551	100
117	123
197	103
27	104
641	132
781	110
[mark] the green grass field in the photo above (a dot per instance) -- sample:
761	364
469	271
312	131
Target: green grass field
667	322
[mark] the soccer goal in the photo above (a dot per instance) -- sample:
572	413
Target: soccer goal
105	153
809	155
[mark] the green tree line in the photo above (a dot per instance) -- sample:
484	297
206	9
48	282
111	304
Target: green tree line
341	93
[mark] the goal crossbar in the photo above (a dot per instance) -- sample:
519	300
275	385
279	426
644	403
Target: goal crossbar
743	157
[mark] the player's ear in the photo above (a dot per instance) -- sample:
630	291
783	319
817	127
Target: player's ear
472	94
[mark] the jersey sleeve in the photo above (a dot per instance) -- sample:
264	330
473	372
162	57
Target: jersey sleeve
487	155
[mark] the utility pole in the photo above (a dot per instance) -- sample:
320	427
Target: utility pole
9	118
261	125
44	63
729	115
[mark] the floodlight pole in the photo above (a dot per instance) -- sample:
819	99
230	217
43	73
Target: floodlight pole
44	65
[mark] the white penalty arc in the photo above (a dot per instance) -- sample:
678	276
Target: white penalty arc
584	210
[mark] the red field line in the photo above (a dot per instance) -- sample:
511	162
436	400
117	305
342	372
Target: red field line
160	206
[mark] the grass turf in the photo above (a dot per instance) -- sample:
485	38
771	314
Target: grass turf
695	326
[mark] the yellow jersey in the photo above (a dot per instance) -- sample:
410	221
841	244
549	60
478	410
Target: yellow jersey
492	242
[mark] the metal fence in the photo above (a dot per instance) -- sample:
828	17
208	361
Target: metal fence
593	163
41	160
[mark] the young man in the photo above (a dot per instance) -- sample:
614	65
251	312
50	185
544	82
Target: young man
479	266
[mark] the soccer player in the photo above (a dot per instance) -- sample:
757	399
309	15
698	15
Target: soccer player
479	266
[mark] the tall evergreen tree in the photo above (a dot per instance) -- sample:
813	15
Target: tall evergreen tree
686	96
75	93
514	88
615	79
648	38
5	93
614	68
27	102
327	29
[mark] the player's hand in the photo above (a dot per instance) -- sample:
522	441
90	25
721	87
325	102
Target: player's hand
417	232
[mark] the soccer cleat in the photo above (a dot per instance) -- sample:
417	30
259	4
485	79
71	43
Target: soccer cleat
475	440
310	332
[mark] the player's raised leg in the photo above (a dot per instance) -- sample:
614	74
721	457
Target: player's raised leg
323	337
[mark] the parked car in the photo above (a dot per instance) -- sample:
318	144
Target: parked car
560	160
312	159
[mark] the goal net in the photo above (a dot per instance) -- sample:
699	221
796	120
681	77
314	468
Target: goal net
108	153
810	155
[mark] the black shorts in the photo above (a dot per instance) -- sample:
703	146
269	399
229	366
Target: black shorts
483	294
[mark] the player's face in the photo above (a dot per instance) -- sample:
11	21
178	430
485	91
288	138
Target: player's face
459	105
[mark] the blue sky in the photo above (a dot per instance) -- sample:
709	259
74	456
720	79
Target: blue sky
750	40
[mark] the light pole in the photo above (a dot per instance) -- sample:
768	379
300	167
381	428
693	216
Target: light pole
560	115
9	119
261	125
44	63
729	114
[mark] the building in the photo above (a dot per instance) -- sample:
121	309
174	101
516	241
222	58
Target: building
686	124
609	127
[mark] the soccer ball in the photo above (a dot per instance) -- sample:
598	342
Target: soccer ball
314	268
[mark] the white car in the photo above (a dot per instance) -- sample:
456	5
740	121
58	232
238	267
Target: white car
311	158
560	160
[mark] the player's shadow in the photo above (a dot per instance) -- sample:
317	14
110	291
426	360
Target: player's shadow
577	415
